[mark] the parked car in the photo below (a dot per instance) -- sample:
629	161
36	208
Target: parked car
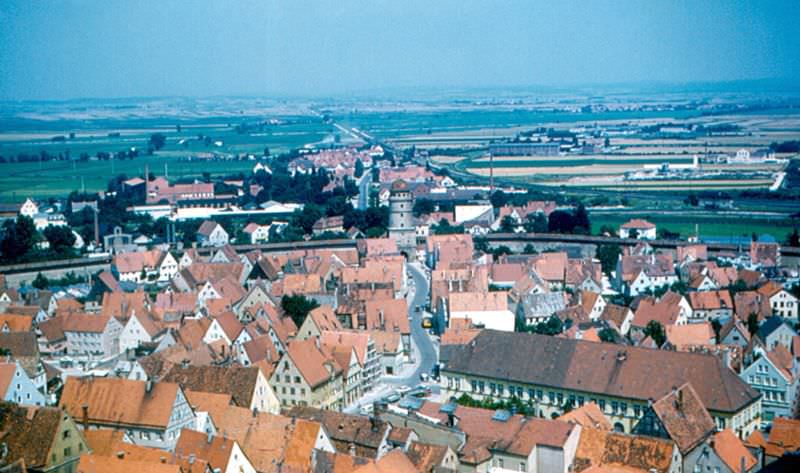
423	377
391	398
367	409
403	390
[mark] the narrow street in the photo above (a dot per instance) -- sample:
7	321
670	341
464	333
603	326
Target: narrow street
424	351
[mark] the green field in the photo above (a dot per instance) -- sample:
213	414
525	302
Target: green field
708	227
576	161
56	178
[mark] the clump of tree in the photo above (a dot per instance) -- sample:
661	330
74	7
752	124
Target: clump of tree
608	255
444	228
297	307
656	332
563	221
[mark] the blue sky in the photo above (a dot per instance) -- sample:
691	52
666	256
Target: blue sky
113	48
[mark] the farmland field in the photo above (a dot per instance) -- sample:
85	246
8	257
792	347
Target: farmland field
193	146
707	226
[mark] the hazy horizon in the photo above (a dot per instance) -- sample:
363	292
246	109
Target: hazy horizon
72	49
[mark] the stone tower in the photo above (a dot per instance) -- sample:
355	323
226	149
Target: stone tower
401	223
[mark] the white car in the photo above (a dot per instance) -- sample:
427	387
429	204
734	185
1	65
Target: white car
402	390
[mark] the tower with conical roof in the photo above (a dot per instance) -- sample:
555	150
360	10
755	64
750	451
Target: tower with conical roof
401	223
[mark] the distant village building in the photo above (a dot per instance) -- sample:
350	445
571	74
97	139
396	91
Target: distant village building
643	230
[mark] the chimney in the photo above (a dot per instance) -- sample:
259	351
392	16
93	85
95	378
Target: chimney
352	449
209	437
255	412
381	320
451	419
148	385
85	420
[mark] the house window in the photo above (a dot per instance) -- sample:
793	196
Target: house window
521	466
474	385
65	435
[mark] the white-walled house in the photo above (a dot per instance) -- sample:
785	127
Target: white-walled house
16	386
139	329
211	233
89	334
489	309
643	229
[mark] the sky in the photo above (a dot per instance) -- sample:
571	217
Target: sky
68	49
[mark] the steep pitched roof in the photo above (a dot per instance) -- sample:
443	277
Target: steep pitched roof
345	430
601	448
120	402
684	417
314	365
732	451
238	381
215	450
16	323
28	432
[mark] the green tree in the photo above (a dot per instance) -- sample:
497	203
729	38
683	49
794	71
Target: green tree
60	238
607	335
581	221
19	238
655	331
752	323
498	199
529	250
717	326
794	238
297	307
508	224
608	256
561	221
536	223
41	282
423	207
157	141
359	169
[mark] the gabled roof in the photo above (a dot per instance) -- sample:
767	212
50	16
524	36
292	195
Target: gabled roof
229	324
215	450
325	319
238	381
683	415
84	323
121	402
390	315
272	442
345	430
588	415
313	364
16	323
711	300
28	432
732	451
601	448
207	228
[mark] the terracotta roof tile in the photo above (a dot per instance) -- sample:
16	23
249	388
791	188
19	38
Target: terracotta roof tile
601	448
731	450
588	415
122	402
27	432
591	367
238	381
684	417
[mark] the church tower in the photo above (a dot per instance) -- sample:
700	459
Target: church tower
401	223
